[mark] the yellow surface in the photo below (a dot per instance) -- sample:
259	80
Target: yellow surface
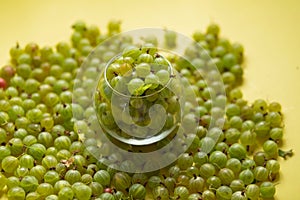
269	31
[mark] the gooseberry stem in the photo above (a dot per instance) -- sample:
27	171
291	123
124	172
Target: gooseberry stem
285	154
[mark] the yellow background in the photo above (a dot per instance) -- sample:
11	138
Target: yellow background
268	29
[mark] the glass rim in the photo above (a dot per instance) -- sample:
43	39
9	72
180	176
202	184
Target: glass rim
134	96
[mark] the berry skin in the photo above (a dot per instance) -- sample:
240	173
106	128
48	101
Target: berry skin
3	83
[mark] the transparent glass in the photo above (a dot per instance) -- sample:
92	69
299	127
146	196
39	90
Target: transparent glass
142	119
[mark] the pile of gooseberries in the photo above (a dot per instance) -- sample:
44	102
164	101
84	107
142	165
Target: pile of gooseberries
44	154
